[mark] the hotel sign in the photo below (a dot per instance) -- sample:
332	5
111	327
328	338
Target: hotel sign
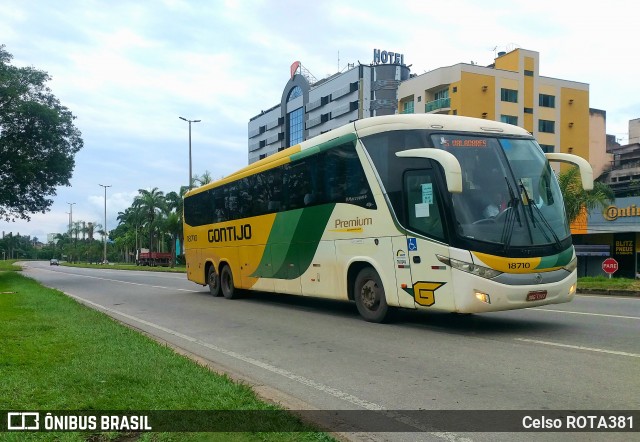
387	57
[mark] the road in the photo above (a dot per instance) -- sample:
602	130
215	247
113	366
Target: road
316	354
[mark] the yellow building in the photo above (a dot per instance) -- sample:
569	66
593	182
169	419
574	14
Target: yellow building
511	90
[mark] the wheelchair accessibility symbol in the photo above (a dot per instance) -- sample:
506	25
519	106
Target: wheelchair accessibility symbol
412	244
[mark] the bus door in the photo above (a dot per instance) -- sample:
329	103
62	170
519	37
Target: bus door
431	280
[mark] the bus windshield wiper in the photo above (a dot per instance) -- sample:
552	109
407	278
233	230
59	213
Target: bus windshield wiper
513	214
534	208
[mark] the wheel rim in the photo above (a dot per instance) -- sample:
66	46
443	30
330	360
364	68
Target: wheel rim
369	295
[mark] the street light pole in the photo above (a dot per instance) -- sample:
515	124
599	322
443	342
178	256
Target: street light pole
70	217
189	121
104	237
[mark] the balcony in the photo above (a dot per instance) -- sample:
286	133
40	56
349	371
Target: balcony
435	105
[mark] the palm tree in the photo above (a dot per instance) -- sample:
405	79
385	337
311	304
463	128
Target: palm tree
150	203
203	179
175	202
173	226
576	199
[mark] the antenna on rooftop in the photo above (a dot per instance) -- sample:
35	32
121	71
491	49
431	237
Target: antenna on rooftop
308	75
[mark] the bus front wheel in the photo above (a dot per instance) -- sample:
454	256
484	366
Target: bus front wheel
369	296
213	279
226	283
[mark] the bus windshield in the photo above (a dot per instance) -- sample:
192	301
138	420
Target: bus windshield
510	196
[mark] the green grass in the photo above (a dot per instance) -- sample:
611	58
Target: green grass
59	355
8	265
604	283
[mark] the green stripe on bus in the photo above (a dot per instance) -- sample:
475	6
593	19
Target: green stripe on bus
559	260
293	242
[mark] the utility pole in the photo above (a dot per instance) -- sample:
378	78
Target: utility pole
104	237
190	121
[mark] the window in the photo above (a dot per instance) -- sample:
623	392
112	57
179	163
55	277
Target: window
510	119
455	89
547	148
422	203
294	93
296	126
331	177
528	110
442	94
547	100
407	107
528	73
509	95
547	126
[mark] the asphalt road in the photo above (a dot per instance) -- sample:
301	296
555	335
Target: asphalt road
316	354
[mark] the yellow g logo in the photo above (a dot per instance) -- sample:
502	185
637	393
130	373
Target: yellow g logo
424	292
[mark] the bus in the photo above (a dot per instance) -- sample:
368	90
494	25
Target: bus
422	211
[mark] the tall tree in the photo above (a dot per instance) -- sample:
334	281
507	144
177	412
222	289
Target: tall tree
150	203
576	198
175	202
38	141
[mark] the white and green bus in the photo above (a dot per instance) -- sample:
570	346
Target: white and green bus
430	212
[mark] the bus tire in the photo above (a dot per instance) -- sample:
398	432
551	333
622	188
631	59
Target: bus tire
226	283
213	280
369	296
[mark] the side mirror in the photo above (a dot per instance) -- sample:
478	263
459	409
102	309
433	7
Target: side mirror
586	172
450	164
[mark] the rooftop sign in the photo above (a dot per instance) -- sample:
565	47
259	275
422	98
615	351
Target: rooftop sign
387	57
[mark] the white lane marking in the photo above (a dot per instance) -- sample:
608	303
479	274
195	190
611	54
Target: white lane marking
125	282
451	437
579	347
540	309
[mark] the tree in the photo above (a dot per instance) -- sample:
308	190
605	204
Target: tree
576	198
203	179
175	202
150	203
38	141
173	226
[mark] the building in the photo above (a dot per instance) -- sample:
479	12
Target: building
612	232
624	174
309	107
510	90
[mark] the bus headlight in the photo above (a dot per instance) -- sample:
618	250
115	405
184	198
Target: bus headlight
572	265
572	289
481	296
474	269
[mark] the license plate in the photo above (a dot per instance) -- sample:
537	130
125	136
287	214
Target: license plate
536	296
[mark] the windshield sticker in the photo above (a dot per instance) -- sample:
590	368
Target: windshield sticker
422	210
427	193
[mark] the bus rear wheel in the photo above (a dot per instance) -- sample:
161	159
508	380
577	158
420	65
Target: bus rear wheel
369	296
226	283
213	280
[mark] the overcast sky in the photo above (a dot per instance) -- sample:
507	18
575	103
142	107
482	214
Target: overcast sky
128	69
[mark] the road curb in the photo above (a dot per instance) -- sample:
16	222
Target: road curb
609	292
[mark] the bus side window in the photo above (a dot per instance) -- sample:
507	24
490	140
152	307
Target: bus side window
421	200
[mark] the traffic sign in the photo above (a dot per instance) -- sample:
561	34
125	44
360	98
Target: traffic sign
610	265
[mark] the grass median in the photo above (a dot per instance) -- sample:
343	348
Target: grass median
57	354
